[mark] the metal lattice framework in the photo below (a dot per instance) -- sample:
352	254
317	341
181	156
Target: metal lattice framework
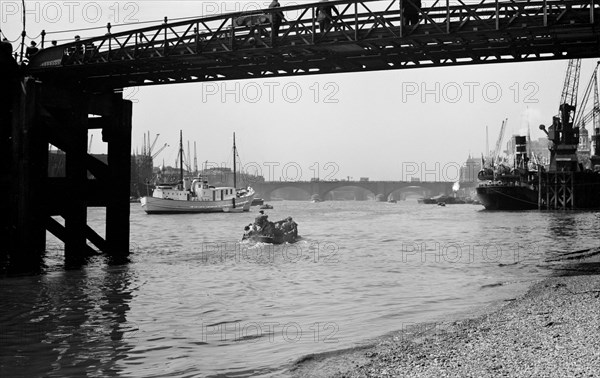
364	35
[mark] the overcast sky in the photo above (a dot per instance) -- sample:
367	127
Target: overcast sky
378	124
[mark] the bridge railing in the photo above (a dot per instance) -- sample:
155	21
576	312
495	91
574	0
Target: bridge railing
353	21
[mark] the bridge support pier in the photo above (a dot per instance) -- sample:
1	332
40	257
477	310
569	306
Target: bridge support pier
118	136
26	231
75	209
41	115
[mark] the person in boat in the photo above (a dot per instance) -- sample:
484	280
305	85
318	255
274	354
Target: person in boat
247	232
261	220
268	229
291	226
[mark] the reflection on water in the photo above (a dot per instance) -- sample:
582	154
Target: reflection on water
197	302
65	323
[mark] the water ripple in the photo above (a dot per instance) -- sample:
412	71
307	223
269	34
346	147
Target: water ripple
197	302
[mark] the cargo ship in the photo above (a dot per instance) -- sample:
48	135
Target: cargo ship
506	188
566	183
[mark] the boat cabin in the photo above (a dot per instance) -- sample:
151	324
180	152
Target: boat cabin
196	190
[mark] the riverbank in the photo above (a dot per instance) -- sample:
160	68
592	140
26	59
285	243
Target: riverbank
551	331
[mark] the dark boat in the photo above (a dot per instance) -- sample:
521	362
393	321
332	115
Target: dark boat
276	239
257	202
506	188
264	231
431	200
447	200
504	196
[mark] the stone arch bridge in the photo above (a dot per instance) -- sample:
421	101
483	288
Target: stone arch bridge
322	188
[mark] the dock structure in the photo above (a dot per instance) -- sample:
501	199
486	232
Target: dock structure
69	89
62	117
568	190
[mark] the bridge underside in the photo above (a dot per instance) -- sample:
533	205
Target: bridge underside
358	40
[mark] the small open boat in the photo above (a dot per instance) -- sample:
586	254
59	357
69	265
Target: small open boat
264	231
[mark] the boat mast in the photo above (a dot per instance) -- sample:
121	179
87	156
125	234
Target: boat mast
181	157
234	163
195	161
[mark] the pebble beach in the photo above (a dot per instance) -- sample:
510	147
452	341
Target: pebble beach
551	331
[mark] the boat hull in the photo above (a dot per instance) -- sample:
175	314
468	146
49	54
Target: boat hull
152	205
278	239
504	197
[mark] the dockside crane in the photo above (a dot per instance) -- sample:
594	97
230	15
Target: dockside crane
499	142
590	113
563	134
152	145
584	116
154	155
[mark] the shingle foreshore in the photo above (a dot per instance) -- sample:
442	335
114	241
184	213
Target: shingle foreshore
551	331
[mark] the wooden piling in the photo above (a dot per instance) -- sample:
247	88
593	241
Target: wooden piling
30	167
75	213
118	136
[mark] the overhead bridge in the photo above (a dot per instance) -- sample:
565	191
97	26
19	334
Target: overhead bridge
365	35
70	89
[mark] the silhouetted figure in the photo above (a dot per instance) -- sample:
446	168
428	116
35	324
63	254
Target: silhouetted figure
31	50
324	16
9	77
411	12
90	48
9	69
77	50
276	19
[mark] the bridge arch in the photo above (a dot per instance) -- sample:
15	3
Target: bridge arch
329	189
414	189
433	188
266	190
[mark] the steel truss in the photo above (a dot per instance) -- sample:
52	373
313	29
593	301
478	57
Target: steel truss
364	35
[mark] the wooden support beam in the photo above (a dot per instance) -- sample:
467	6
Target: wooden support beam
95	239
76	174
66	141
118	136
30	159
98	122
57	229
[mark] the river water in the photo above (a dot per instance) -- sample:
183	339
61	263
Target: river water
195	302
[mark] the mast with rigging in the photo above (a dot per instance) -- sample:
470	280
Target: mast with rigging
181	158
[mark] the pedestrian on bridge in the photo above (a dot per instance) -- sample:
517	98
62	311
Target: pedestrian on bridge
324	16
31	50
411	11
276	18
77	50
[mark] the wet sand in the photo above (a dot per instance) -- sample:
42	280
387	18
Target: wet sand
551	331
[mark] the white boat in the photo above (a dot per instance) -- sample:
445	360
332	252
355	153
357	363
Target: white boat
197	196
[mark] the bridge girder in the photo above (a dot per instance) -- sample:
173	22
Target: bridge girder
360	39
